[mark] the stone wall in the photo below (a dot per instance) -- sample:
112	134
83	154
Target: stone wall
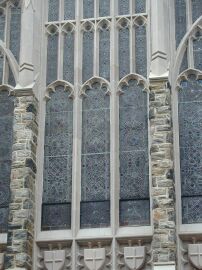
163	193
21	210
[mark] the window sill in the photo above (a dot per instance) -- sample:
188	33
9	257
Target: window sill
188	231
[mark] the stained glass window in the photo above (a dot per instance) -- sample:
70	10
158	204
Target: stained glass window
190	132
88	8
141	50
69	9
88	46
124	7
197	49
104	52
180	20
57	190
53	10
134	164
95	174
15	30
104	8
140	6
196	9
68	62
52	58
124	50
184	64
6	137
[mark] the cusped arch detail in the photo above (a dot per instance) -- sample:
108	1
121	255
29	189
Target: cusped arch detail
6	87
51	88
184	76
133	76
88	84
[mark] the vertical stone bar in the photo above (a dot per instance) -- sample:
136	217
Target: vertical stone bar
22	202
164	244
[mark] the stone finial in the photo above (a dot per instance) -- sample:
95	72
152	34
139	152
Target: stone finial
1	260
94	259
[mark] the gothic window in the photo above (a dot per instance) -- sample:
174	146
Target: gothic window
69	9
104	50
53	10
134	165
6	136
88	9
95	159
104	8
57	187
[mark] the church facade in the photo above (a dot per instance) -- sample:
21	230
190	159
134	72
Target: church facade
100	134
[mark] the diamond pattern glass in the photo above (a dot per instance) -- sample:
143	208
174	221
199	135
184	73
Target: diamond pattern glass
2	26
1	68
140	6
15	30
104	53
124	52
52	58
95	162
124	7
104	8
190	131
69	9
57	188
53	10
180	20
184	64
6	137
196	9
197	48
88	9
88	46
68	62
141	50
134	164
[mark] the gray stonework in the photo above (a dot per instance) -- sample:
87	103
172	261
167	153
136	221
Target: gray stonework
163	194
21	210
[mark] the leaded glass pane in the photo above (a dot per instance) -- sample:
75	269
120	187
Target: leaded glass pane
197	48
124	7
88	45
1	67
69	9
11	79
104	53
95	174
2	25
52	58
68	62
141	50
53	10
124	52
15	29
104	8
88	9
196	9
57	188
180	20
134	163
6	137
190	123
184	64
140	6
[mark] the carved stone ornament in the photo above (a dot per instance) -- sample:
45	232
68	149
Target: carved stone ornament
135	257
94	259
195	255
54	260
1	260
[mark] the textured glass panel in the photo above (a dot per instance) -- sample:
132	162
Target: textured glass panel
184	64
197	46
11	79
95	214
134	163
52	58
88	44
95	179
134	212
3	219
57	188
53	10
104	54
1	68
56	216
141	50
88	8
6	134
15	29
68	63
69	9
191	210
124	52
180	20
196	9
124	7
190	131
2	26
104	8
140	6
